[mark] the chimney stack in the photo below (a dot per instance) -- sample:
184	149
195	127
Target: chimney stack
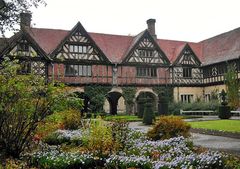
25	20
151	27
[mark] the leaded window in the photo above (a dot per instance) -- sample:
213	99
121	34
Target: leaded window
187	72
25	68
145	53
146	72
187	98
78	70
77	49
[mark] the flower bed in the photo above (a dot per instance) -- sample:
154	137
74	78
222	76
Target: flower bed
139	152
61	160
64	136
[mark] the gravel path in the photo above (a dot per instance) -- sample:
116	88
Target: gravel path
220	143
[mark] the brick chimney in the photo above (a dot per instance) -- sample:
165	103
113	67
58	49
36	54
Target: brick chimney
151	27
25	20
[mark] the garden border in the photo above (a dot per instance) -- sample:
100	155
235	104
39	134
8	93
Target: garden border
216	133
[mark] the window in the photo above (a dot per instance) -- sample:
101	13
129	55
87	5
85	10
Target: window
186	98
77	49
78	70
207	97
187	72
214	71
24	47
25	68
146	72
145	53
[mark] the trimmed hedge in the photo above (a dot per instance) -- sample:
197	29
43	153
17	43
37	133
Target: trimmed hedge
148	116
174	108
224	112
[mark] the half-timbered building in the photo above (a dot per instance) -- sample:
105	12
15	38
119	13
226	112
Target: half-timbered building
79	58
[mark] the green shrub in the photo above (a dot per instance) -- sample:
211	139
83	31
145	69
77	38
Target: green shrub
54	139
167	127
174	108
72	120
148	115
98	140
224	112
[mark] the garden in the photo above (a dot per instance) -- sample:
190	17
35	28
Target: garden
41	127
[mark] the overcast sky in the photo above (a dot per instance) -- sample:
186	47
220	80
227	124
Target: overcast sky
188	20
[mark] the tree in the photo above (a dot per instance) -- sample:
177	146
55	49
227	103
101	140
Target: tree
25	101
10	12
232	84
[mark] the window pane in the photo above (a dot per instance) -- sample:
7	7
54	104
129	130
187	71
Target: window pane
76	70
84	49
80	49
80	70
84	70
89	71
75	48
71	48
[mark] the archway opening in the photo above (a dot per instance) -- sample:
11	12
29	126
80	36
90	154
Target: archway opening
113	98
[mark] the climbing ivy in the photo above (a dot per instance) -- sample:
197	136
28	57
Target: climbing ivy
129	95
164	93
97	95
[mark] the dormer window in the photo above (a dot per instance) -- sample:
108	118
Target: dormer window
78	49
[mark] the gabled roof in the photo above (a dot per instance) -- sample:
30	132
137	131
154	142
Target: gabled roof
220	48
133	44
11	42
173	48
223	47
113	46
181	49
47	39
137	39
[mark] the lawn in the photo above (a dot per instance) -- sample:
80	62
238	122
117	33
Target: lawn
132	118
222	125
129	118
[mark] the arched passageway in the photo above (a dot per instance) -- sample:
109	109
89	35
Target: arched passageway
113	98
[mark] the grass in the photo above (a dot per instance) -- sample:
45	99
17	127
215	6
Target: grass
128	118
132	118
221	125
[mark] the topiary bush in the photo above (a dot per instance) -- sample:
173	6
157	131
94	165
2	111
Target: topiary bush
148	116
167	127
141	104
224	112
